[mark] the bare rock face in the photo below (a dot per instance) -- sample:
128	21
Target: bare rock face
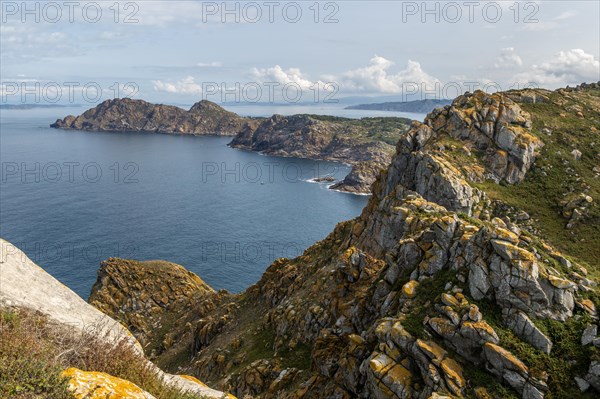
93	385
128	115
497	126
525	329
492	125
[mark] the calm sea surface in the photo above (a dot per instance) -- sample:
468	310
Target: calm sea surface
72	199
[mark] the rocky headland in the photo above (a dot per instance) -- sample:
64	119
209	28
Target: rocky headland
366	144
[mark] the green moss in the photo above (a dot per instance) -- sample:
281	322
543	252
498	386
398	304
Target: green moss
478	377
567	359
428	292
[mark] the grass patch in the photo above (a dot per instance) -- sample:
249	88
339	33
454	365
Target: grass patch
34	352
428	292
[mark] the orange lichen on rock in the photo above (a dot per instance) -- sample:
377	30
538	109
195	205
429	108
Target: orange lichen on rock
96	385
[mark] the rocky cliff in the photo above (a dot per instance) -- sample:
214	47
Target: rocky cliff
461	278
363	143
151	298
128	115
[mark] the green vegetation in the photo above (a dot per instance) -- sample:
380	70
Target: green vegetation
427	293
262	343
34	352
385	129
557	176
567	359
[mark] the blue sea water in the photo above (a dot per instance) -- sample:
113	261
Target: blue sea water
71	199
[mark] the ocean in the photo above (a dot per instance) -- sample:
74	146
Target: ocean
72	199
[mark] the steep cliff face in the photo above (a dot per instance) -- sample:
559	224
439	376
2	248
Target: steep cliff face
444	286
128	115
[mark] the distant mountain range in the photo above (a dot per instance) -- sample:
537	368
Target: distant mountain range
418	106
32	106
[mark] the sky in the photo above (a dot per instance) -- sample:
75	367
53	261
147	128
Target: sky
183	51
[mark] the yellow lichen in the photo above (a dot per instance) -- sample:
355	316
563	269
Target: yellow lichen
96	385
409	289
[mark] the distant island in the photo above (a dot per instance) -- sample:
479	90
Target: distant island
367	144
418	106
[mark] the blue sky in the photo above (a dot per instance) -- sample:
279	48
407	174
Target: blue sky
181	51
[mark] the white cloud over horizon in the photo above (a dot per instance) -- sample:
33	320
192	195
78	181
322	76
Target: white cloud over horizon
508	58
187	85
565	68
379	77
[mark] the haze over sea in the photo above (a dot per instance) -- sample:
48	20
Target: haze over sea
72	199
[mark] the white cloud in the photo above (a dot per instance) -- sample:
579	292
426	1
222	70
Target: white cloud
186	85
376	77
508	58
373	78
212	64
283	76
565	15
566	68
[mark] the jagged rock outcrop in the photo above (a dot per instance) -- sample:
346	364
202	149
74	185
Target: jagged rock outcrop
24	285
493	125
149	298
497	126
361	177
129	115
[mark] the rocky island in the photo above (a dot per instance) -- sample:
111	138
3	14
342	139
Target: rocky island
129	115
418	106
368	141
472	272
